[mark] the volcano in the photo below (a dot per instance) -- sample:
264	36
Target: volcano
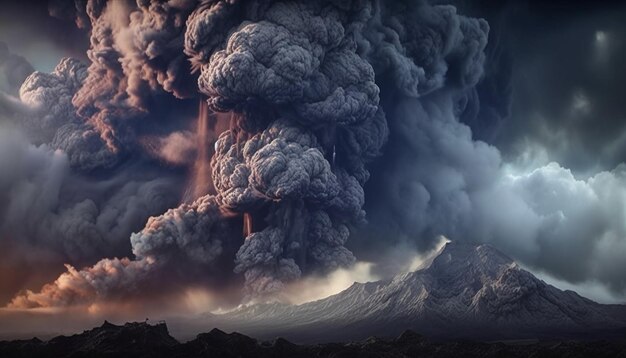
463	291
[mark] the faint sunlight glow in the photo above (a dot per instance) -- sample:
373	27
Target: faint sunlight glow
580	103
602	46
197	300
315	288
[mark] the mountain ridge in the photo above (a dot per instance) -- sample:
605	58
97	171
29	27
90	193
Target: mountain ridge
140	339
463	291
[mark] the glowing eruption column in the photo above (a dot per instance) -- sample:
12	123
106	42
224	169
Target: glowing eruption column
201	179
247	224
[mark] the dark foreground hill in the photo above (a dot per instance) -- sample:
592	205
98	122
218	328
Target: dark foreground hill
144	340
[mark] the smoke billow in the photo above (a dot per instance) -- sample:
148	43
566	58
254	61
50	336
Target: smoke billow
178	236
136	56
291	72
345	137
74	217
55	208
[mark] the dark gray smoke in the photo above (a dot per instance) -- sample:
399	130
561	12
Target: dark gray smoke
167	241
136	59
346	135
292	68
435	179
54	209
50	216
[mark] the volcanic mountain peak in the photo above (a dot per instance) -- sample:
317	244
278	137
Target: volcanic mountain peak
464	290
455	256
470	285
462	262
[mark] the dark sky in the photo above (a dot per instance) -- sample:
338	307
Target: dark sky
28	30
566	97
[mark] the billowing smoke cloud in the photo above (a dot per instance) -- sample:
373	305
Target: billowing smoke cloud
50	117
83	195
428	58
74	215
346	135
136	54
174	238
70	218
293	68
51	94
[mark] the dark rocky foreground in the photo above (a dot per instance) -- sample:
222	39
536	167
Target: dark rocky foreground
144	340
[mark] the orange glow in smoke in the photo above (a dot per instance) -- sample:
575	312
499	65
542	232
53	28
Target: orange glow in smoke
201	178
247	224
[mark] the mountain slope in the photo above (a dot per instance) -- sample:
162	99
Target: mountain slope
464	291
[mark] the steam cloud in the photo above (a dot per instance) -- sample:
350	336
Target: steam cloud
345	124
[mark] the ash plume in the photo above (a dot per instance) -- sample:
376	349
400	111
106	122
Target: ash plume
297	61
136	56
49	157
344	140
166	241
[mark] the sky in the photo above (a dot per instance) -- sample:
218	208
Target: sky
188	157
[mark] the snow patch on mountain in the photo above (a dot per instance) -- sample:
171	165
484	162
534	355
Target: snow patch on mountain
463	290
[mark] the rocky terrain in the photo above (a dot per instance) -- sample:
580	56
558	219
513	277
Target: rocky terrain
144	340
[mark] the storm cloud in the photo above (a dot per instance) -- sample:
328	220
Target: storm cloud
564	86
353	128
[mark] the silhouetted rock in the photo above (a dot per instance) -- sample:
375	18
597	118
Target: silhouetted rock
410	337
131	339
143	340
